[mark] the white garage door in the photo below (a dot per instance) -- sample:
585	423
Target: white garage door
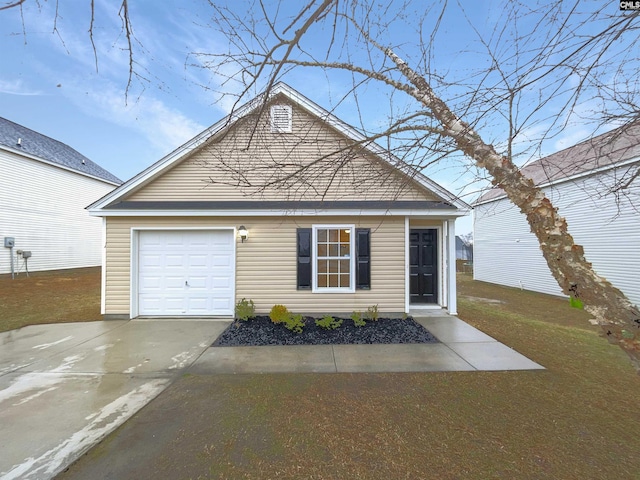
186	273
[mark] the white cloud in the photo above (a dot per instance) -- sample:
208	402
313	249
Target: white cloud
17	87
163	126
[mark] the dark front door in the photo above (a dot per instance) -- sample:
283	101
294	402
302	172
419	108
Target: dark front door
423	266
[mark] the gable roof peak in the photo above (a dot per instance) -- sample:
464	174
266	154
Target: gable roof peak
279	88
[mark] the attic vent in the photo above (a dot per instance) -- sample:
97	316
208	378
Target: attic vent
281	118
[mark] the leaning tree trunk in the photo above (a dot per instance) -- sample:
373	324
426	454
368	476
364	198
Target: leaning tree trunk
618	318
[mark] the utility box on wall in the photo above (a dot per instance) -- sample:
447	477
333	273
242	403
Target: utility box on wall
9	242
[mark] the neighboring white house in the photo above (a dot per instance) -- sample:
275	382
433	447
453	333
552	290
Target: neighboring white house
45	186
464	249
581	182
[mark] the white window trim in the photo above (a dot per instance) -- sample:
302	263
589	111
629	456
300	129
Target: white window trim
352	260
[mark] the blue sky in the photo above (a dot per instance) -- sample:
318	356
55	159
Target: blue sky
49	81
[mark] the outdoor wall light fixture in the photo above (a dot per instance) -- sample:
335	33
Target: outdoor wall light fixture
242	231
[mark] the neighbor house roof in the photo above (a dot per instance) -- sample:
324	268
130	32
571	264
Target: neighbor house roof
292	95
598	153
24	141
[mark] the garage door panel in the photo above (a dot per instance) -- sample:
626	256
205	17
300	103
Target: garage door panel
174	284
151	283
222	303
221	261
221	283
186	272
198	282
199	304
151	304
174	260
199	261
150	260
151	241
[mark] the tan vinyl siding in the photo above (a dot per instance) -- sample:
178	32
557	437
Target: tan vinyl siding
301	165
266	262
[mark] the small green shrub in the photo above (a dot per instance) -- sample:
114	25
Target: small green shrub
358	321
245	309
295	323
279	314
328	322
372	313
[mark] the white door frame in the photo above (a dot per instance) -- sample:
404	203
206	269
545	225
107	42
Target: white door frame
443	277
134	267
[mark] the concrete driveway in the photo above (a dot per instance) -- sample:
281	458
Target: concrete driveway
65	386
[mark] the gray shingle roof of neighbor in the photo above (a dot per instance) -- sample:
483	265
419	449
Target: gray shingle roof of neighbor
604	150
41	146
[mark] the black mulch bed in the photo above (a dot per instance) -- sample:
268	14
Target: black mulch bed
260	331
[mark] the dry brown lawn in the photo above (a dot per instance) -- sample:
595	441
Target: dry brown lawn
49	297
576	420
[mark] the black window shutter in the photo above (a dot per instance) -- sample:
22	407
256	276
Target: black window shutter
304	258
363	258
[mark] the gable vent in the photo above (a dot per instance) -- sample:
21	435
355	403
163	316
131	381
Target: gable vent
281	118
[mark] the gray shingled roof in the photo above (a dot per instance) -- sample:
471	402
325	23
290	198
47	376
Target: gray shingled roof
605	150
38	145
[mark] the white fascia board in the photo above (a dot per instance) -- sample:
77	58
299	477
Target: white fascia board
277	213
571	178
54	164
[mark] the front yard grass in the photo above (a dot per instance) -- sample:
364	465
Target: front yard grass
49	297
576	420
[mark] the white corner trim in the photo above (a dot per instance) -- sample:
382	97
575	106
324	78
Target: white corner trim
103	273
407	271
452	304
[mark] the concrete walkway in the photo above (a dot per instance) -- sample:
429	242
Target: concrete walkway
462	348
64	387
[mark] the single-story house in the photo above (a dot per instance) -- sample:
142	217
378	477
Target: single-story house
596	187
280	203
46	186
